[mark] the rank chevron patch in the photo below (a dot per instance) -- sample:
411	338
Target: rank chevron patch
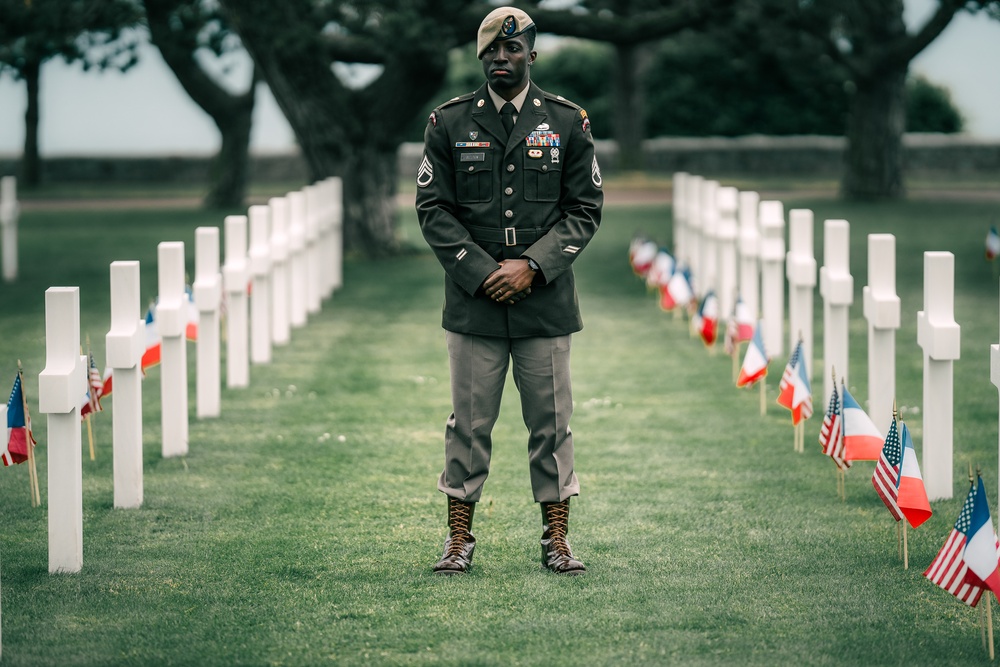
595	174
425	173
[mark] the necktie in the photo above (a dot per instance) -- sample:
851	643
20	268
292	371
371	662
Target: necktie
507	117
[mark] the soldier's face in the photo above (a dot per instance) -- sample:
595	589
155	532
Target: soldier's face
505	63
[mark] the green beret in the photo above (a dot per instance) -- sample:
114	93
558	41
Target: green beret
501	23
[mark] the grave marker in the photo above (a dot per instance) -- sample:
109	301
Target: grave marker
208	300
800	269
171	323
235	277
260	292
772	279
836	285
882	310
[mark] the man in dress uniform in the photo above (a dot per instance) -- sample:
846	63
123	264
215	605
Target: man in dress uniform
509	195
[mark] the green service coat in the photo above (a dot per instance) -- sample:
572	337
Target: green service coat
481	199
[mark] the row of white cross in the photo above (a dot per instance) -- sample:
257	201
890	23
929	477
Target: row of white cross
734	244
292	263
9	214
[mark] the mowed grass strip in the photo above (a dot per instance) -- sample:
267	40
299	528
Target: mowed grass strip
301	527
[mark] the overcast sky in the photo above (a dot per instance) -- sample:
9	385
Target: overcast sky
146	112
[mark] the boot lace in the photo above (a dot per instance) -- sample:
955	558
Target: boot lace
459	517
558	518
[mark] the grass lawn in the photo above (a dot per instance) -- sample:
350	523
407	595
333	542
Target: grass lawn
302	525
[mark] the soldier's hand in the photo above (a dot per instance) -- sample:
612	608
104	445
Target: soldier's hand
511	282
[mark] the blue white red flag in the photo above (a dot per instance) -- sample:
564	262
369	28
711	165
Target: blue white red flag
886	475
831	432
911	496
794	389
739	327
981	552
862	440
992	243
642	252
19	437
707	322
95	389
151	357
949	569
661	270
677	291
754	361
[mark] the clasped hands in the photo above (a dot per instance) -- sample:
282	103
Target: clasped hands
511	282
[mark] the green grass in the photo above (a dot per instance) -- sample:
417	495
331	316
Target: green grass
278	542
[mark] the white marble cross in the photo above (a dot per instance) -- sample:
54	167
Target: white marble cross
260	292
749	252
882	310
836	285
940	338
235	278
9	214
800	269
207	290
171	323
125	343
772	279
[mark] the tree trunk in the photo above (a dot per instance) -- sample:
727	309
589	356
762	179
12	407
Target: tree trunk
31	168
629	106
230	168
875	126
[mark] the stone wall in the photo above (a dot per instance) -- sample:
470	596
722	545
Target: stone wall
758	155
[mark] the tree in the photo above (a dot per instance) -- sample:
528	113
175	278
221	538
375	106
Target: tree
345	127
929	108
32	32
180	29
870	39
629	26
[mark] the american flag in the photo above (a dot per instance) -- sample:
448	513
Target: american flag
949	569
95	389
831	435
786	386
886	475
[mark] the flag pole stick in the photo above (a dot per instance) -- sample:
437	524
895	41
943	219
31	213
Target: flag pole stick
982	624
36	499
899	541
736	366
989	620
906	549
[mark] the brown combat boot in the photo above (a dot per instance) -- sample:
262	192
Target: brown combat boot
460	543
556	553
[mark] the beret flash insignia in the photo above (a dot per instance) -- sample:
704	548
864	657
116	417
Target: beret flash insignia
509	26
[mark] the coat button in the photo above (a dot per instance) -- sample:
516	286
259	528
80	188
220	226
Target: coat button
545	167
471	168
509	191
508	213
510	167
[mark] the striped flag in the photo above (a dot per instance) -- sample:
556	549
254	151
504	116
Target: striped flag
886	473
911	496
740	326
786	386
708	318
19	437
831	432
661	270
677	291
794	390
754	361
949	569
992	243
862	440
95	389
982	551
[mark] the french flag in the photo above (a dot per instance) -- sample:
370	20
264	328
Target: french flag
676	292
151	357
911	496
981	554
708	318
862	440
642	256
754	361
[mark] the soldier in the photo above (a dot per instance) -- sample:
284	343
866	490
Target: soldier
509	195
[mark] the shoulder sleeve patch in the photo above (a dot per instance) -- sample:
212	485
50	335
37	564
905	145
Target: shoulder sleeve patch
585	122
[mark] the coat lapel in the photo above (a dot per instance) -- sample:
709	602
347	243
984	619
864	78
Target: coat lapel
532	114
